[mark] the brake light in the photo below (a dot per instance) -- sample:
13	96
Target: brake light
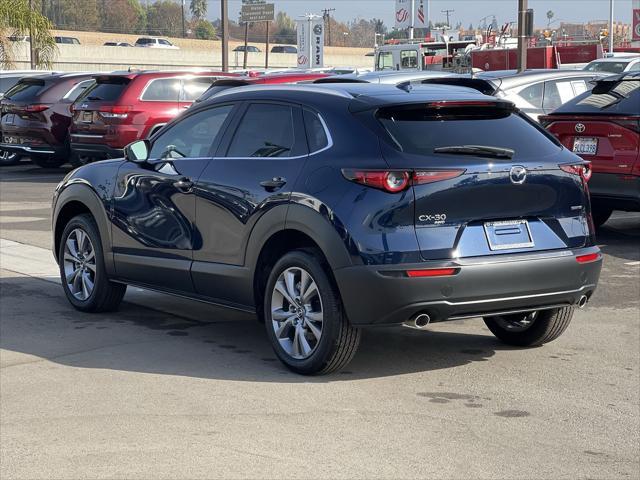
588	258
36	108
114	111
432	272
394	181
463	103
631	123
583	170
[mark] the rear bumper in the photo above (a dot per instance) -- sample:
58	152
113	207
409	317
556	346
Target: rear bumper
96	150
618	192
40	150
482	286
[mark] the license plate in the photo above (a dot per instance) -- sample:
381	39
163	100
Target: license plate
87	117
509	234
585	145
8	139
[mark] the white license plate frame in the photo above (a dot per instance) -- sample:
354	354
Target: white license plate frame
498	234
585	145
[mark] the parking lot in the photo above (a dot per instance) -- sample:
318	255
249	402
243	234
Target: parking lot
169	388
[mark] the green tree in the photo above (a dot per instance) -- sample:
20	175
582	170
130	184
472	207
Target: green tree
199	9
16	18
79	15
204	30
550	15
122	16
164	17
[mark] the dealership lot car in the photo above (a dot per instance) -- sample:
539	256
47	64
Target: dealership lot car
35	116
449	205
603	127
124	107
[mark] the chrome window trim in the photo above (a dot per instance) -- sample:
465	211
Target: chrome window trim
327	133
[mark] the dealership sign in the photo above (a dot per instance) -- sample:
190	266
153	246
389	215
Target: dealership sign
310	42
636	21
404	12
257	12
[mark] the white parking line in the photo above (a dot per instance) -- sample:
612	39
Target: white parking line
632	264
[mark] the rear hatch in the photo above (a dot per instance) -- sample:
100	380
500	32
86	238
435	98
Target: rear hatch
486	180
22	113
98	108
602	126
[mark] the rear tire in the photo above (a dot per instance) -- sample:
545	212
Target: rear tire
48	162
8	159
82	270
600	217
310	334
530	329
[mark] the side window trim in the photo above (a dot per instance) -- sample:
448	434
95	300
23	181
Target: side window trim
299	133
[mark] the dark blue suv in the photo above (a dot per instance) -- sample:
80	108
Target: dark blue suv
329	208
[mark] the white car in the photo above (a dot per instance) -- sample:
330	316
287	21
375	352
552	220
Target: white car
615	64
155	42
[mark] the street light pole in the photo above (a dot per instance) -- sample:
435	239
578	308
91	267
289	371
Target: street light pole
32	49
522	35
224	14
184	28
610	27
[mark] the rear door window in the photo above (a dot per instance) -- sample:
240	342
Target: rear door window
163	90
191	137
556	93
193	88
25	91
266	130
533	94
418	130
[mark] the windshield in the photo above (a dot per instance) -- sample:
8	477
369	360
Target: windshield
611	67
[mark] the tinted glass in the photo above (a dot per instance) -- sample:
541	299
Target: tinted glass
103	91
145	41
420	130
193	88
265	131
556	93
191	137
635	67
163	90
533	94
163	42
77	90
408	59
620	98
25	91
612	67
316	135
7	82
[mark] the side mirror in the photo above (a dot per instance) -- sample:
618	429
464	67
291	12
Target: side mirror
137	152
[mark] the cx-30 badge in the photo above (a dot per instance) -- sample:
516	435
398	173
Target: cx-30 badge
518	174
580	127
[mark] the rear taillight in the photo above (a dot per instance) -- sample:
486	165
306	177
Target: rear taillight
432	272
36	108
583	170
394	181
115	111
630	123
588	258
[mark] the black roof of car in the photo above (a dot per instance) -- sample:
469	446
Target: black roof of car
357	96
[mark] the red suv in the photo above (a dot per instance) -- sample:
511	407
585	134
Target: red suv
35	117
123	107
603	126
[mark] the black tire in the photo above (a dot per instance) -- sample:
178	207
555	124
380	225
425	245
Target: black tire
79	160
547	325
106	295
338	341
8	159
48	162
600	217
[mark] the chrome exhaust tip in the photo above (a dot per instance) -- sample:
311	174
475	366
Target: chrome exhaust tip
583	301
419	322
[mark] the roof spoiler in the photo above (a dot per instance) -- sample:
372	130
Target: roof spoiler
482	86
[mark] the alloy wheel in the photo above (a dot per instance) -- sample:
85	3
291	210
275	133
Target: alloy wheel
79	264
296	313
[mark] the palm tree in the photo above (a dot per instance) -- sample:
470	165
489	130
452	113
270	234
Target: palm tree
550	15
17	18
198	8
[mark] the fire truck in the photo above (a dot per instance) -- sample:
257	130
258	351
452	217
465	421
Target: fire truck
415	55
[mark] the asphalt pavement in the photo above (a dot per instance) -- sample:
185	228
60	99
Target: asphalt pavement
172	388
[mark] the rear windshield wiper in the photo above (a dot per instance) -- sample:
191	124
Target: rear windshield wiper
479	150
95	98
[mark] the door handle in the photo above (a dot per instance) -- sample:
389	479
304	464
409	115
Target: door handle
273	184
184	185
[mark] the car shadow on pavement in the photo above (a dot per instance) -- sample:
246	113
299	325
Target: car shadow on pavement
620	237
37	320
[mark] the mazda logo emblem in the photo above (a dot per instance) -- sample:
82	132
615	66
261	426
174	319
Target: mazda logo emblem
518	174
580	127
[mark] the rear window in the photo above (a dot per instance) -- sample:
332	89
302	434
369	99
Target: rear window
419	130
145	41
25	90
611	67
7	82
104	91
620	98
163	90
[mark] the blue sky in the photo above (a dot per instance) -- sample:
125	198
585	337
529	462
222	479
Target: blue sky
466	11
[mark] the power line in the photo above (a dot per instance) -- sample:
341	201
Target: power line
447	12
326	16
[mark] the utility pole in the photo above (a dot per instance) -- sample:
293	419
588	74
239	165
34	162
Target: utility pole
326	16
610	27
184	27
447	13
523	41
224	18
32	46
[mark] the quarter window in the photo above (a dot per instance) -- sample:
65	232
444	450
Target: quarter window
77	90
191	137
194	87
163	90
533	94
266	130
316	134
